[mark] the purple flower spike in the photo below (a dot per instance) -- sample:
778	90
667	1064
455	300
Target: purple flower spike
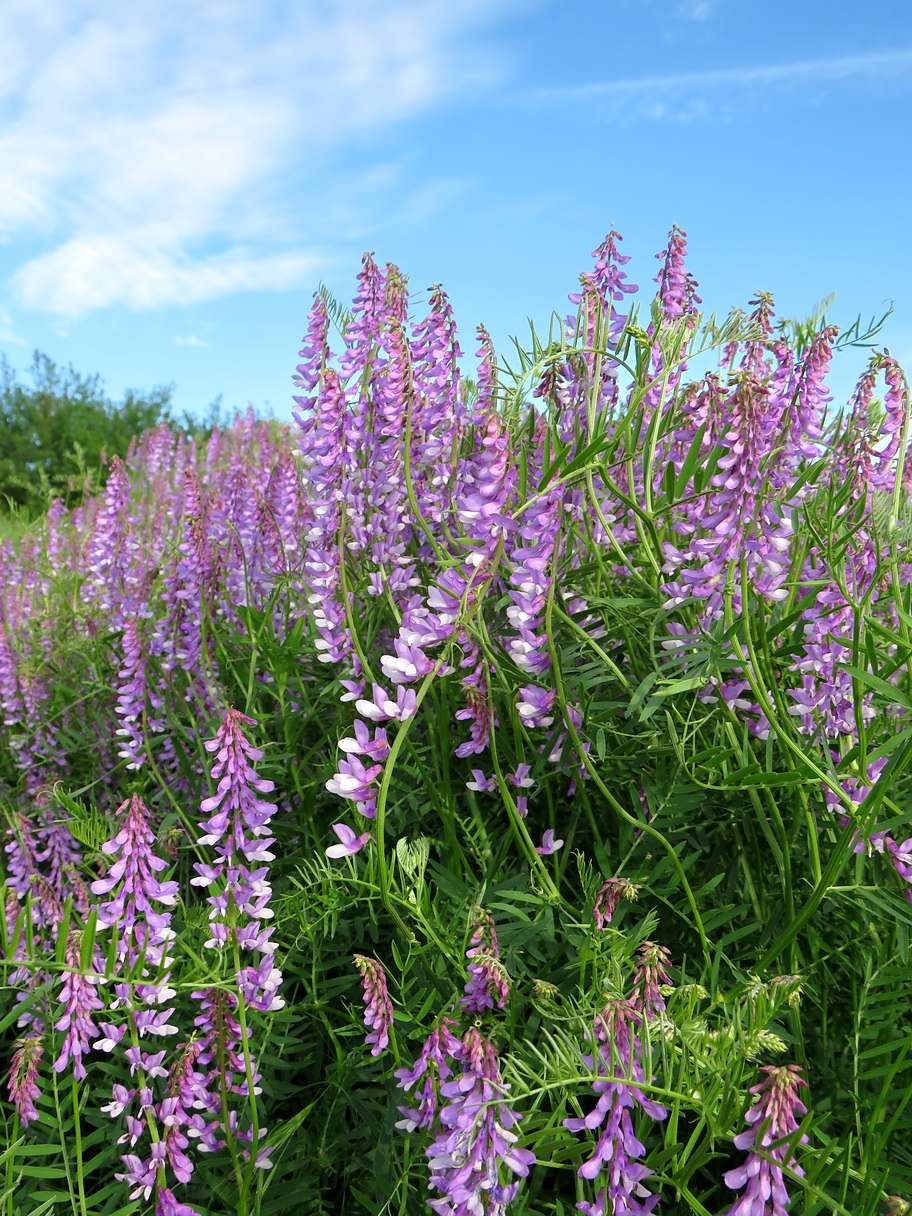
350	843
236	812
771	1119
488	984
79	995
131	697
132	889
239	831
612	891
440	1048
475	1138
651	976
616	1062
378	1016
23	1085
549	845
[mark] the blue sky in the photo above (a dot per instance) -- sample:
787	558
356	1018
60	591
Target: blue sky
177	176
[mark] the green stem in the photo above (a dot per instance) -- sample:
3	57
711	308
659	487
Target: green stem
616	806
77	1136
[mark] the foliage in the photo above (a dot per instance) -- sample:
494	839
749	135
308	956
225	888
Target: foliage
58	435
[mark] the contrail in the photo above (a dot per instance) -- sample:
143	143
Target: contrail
810	69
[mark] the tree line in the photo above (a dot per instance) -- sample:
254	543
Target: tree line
59	433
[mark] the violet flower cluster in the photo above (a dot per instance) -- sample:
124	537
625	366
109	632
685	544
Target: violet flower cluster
137	912
770	1138
238	831
431	1069
378	1015
475	1141
616	1165
462	1098
23	1087
488	985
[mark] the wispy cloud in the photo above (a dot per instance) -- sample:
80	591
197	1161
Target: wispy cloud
695	10
166	153
192	340
685	10
688	94
7	333
141	272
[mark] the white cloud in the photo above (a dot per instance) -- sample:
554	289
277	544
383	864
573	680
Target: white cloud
193	340
693	94
91	271
7	333
151	146
696	10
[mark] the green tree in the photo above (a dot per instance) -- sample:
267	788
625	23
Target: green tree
57	436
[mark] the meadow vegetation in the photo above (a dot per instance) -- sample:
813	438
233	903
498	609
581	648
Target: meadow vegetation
489	791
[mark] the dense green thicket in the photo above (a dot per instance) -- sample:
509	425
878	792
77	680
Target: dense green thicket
57	435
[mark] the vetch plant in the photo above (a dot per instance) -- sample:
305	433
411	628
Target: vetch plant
772	1124
604	645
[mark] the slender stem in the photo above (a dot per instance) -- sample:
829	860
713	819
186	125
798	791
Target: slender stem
77	1137
616	806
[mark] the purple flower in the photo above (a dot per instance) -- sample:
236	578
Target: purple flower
23	1084
407	665
617	1063
481	783
535	705
131	697
237	814
651	976
167	1205
901	856
475	1138
531	581
521	778
79	996
357	783
477	711
610	893
108	555
111	1036
238	828
350	843
433	1064
133	889
239	899
771	1120
382	709
488	984
602	287
378	1016
549	845
362	744
486	379
219	1066
120	1101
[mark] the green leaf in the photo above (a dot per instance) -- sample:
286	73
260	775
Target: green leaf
641	692
879	685
774	779
694	452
